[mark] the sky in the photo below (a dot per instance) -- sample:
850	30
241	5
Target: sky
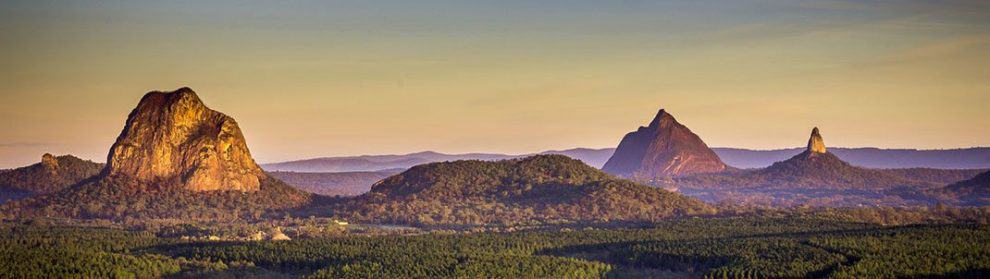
330	78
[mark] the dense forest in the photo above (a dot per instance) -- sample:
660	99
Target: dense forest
538	189
750	247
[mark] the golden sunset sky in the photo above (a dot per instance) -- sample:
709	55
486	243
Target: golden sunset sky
330	78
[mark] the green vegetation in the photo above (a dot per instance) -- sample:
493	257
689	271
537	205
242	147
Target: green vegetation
120	200
714	248
822	179
58	173
535	190
38	251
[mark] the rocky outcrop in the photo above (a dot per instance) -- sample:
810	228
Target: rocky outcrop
49	161
816	144
173	139
665	148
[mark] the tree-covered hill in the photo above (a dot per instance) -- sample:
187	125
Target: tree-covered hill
974	191
50	175
805	171
537	189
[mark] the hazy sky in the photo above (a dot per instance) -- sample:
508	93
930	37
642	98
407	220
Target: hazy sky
327	78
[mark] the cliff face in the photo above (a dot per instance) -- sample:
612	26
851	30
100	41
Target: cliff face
816	144
173	139
665	148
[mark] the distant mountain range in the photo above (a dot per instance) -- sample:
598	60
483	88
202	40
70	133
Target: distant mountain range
964	158
369	163
334	183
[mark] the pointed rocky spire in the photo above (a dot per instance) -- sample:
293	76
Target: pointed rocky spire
661	117
816	144
49	161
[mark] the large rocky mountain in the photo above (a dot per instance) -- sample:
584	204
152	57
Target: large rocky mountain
173	138
542	188
50	175
665	148
175	158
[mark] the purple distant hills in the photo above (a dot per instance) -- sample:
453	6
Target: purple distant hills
965	158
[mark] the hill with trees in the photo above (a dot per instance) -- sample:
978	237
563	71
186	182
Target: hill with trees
537	189
819	178
52	174
974	191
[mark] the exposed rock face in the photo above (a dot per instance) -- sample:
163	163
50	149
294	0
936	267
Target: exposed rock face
664	149
173	139
816	144
49	161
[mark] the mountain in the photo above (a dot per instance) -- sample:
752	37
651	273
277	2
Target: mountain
173	138
965	158
817	168
175	158
537	189
333	183
815	176
665	148
52	174
373	163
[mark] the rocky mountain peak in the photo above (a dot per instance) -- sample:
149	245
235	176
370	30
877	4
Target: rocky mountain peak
664	149
49	161
172	138
662	118
816	144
